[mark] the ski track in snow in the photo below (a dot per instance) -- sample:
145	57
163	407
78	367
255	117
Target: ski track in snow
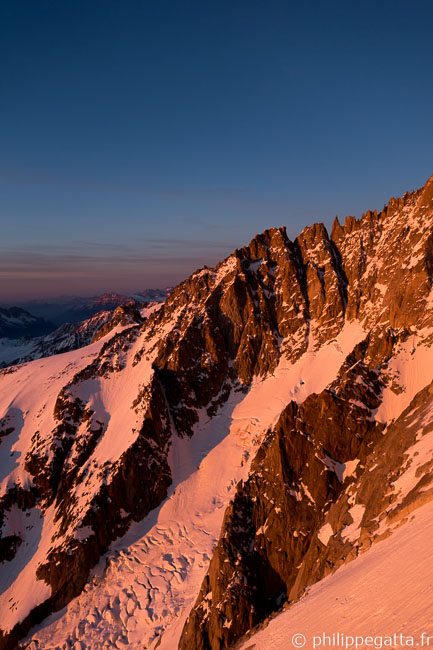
387	590
143	588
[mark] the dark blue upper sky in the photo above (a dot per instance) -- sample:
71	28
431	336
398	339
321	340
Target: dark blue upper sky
141	140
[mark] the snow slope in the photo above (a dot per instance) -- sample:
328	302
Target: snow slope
143	589
409	370
65	338
30	388
29	392
386	591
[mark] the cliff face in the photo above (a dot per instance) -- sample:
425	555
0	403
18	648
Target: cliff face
322	479
90	438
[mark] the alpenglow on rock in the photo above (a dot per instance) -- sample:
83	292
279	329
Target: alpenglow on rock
180	480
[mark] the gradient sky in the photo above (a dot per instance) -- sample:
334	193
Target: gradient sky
141	140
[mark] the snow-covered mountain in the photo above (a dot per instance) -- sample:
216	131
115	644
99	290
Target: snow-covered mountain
16	322
71	336
180	481
74	309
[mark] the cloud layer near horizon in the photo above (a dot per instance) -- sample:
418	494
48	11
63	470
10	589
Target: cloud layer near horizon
92	267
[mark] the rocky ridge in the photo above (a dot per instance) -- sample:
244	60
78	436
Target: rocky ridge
72	336
301	513
124	402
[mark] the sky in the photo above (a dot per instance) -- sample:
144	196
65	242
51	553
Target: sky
141	140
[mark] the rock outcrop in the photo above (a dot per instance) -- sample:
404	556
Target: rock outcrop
95	448
286	527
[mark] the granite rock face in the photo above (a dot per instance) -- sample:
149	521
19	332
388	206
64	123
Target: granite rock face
96	446
328	458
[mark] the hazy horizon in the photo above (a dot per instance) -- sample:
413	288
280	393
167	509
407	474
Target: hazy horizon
142	141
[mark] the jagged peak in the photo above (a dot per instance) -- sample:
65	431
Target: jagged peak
425	199
351	224
262	243
312	236
337	230
317	229
422	197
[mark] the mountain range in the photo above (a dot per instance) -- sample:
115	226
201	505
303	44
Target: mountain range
70	336
197	478
74	309
19	323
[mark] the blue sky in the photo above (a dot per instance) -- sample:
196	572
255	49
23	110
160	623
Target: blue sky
141	140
